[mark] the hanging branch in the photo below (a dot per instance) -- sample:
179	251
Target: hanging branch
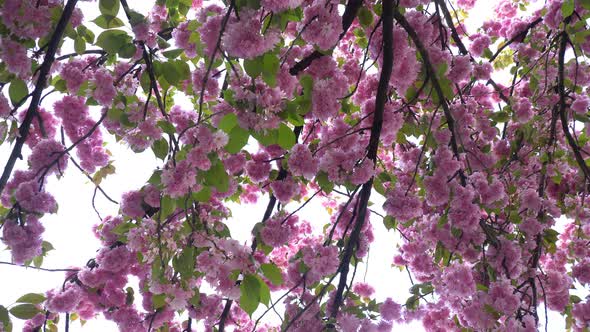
431	73
517	37
380	100
267	213
348	17
563	107
23	130
443	7
40	268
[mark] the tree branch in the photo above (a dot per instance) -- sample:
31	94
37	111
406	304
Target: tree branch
348	17
23	130
380	100
431	72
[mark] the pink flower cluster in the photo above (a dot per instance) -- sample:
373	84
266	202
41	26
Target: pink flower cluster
77	123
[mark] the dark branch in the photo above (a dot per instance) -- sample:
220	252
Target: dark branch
380	100
39	87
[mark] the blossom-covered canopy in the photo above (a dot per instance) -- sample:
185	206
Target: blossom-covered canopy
477	140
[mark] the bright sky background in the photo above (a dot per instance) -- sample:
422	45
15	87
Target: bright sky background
70	230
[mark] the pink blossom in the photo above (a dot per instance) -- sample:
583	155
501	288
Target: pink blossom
63	300
25	18
529	199
178	180
302	163
458	280
323	26
33	199
390	310
258	168
14	55
104	91
285	190
402	206
5	109
280	5
48	157
131	204
243	39
580	105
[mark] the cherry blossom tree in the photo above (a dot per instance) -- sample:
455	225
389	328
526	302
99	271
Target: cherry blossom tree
478	144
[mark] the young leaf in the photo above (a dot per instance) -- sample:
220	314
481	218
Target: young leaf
238	138
160	148
228	122
109	7
249	294
567	8
203	196
272	273
108	22
17	91
5	319
253	67
32	298
113	40
217	177
286	137
24	311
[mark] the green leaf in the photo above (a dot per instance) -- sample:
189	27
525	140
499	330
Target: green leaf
249	294
79	45
389	222
108	21
253	67
173	54
567	8
270	65
500	117
306	82
175	71
202	196
365	17
123	228
272	273
167	206
217	177
167	127
196	299
127	51
481	287
238	138
412	302
109	7
264	292
228	122
32	298
160	148
324	183
17	91
266	138
585	4
170	74
286	138
185	263
24	311
113	40
158	300
5	319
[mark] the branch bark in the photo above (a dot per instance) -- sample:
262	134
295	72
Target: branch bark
23	130
380	100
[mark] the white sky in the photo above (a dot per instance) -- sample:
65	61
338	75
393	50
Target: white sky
70	230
